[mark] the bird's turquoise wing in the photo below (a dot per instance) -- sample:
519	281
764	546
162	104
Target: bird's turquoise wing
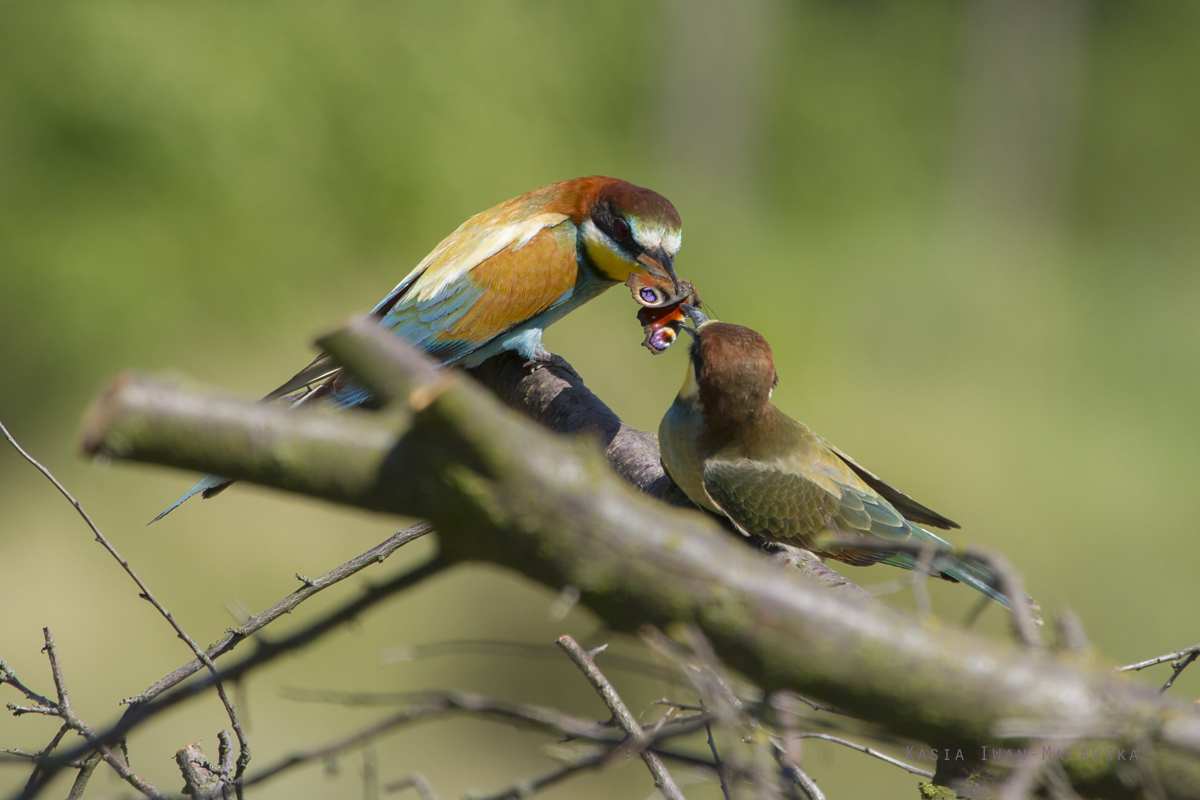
479	283
497	271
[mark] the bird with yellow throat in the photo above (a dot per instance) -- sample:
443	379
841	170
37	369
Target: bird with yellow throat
505	274
735	454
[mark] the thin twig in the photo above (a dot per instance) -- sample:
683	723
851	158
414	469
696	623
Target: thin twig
920	584
688	759
266	652
712	746
83	776
784	705
15	755
1180	667
10	677
539	716
1072	636
528	788
426	704
146	594
722	701
370	774
417	782
48	749
863	749
430	705
621	715
973	615
288	604
792	772
1150	662
19	711
60	685
68	716
502	647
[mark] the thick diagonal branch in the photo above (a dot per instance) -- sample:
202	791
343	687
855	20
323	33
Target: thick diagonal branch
502	490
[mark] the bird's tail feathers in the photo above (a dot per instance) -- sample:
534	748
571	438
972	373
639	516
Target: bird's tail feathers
962	568
975	574
211	485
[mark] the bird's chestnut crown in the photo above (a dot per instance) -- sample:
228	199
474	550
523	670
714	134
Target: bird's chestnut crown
734	370
631	229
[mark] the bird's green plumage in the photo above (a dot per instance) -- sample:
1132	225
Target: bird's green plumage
775	478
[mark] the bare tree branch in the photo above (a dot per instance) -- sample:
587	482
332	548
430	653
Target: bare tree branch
46	766
500	647
501	490
793	773
428	704
530	787
1150	662
417	782
147	595
1180	667
621	715
424	706
201	779
83	776
1181	659
266	652
235	636
38	757
864	749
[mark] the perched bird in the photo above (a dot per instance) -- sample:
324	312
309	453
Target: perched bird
496	282
737	455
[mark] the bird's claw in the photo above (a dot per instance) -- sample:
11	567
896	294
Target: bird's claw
544	359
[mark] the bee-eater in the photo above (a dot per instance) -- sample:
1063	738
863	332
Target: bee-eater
496	282
737	455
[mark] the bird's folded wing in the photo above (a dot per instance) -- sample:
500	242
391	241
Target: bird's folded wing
475	242
321	368
522	268
779	501
911	509
457	307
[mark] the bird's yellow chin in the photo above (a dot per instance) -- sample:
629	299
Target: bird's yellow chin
611	263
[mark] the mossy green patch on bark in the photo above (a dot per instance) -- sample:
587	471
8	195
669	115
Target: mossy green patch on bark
931	791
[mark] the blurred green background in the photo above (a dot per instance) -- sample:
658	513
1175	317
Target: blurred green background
969	230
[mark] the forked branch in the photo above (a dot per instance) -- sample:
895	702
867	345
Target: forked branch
500	489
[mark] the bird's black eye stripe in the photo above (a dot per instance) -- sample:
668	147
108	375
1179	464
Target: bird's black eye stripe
616	227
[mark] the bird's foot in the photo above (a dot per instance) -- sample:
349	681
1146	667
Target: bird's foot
544	359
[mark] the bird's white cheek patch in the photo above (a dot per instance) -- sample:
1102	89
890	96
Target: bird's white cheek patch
689	389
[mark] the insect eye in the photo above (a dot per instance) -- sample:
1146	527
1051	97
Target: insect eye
622	229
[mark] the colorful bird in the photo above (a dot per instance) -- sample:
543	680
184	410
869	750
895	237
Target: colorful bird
505	274
737	455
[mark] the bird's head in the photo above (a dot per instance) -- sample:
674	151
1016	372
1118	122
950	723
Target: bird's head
627	229
731	371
